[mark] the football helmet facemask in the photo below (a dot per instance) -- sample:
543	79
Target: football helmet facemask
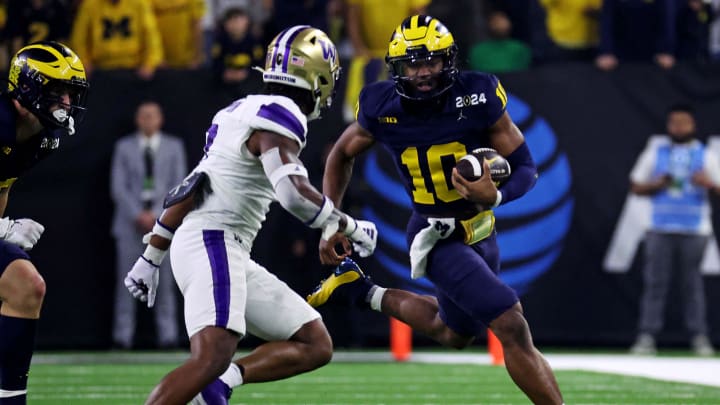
418	40
40	74
304	57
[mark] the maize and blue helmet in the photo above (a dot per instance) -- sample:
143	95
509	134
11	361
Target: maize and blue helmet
417	39
40	73
304	57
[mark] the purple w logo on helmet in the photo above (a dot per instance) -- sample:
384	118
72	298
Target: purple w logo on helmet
328	50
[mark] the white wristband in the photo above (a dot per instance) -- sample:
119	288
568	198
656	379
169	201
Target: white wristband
154	255
161	230
498	199
323	214
351	225
5	224
329	230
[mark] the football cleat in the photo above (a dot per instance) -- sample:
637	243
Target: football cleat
216	393
347	285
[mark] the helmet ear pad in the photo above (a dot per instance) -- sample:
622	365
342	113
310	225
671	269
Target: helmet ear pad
28	89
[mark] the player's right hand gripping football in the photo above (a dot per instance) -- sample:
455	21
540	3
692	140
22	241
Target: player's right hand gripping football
23	232
142	281
363	235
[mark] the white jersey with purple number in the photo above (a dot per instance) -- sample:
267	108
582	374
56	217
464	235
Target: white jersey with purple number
241	192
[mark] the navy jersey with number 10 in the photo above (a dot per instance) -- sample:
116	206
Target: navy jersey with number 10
426	145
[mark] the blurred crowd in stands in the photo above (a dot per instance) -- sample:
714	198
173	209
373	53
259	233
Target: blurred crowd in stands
227	36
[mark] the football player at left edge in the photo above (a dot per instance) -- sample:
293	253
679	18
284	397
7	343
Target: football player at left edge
45	96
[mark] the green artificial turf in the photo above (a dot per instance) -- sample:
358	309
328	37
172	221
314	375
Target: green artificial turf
360	383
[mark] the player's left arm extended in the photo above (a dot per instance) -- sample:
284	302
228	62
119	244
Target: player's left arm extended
143	278
293	190
506	138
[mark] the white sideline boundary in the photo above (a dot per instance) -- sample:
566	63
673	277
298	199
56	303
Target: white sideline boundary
693	370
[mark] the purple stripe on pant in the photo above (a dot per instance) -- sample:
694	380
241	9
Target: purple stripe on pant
215	247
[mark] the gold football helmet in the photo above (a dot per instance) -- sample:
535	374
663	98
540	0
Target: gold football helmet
40	73
420	39
304	57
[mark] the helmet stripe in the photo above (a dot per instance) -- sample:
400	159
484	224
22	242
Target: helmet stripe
277	48
434	25
282	45
288	43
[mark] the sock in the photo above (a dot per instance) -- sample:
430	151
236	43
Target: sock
16	400
374	297
17	342
233	376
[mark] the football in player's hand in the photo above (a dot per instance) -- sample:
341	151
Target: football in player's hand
470	166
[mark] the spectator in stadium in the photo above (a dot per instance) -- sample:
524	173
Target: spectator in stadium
44	97
715	31
637	31
236	49
367	26
693	30
676	173
4	45
215	10
145	165
251	159
118	34
573	29
36	20
451	232
288	13
528	22
179	24
500	53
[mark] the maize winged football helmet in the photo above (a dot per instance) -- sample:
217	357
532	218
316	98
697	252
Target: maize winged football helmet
421	38
304	57
40	73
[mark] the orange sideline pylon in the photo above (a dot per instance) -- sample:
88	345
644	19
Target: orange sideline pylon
495	349
400	340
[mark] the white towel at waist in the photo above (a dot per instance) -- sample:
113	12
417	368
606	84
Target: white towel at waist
438	228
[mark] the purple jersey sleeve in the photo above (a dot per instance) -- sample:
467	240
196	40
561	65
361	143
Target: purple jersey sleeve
281	116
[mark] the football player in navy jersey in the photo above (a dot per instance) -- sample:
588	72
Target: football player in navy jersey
429	116
44	97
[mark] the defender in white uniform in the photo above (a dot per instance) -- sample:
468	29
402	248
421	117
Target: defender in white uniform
252	150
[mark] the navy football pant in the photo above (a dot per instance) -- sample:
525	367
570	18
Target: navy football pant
468	289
